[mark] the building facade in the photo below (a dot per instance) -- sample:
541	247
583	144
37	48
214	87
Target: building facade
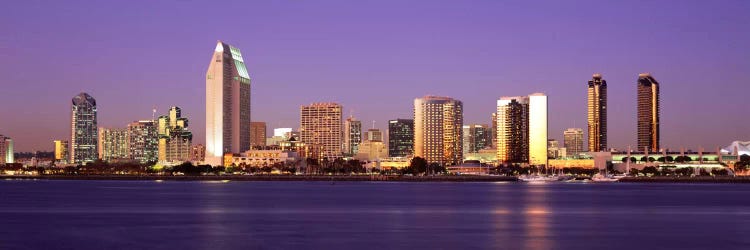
371	151
83	130
257	134
175	139
573	141
648	113
476	137
61	151
374	134
352	135
522	129
198	153
113	145
438	133
597	113
227	104
143	141
321	125
400	137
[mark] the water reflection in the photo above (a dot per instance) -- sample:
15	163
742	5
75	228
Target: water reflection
536	218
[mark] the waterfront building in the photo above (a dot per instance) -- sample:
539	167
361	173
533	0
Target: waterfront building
522	129
61	151
648	113
83	130
143	141
258	158
321	125
257	134
371	151
227	104
374	134
476	137
6	150
597	113
400	137
352	135
113	144
175	140
198	153
438	134
573	141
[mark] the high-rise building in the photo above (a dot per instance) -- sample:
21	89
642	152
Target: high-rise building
83	130
61	151
113	145
554	151
175	140
476	137
494	130
438	131
648	113
573	141
522	129
400	137
597	113
257	134
6	150
227	104
352	135
320	125
374	134
143	141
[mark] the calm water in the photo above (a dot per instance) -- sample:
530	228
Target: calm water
283	215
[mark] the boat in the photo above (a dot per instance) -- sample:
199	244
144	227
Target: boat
537	178
603	178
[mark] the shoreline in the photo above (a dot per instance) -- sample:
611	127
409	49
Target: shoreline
346	178
697	179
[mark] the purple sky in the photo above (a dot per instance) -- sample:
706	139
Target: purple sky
375	57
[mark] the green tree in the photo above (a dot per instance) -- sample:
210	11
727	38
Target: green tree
418	165
650	171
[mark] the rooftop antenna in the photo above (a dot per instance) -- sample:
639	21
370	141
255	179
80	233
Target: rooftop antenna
373	124
153	114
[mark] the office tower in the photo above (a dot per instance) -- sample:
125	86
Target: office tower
227	104
6	150
352	135
374	134
648	113
61	151
175	140
522	129
438	131
143	141
198	153
476	137
554	151
597	114
573	141
113	145
400	137
320	125
83	130
257	134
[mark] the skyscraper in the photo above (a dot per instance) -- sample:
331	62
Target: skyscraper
320	125
83	130
113	144
476	137
352	135
648	113
61	151
6	150
143	141
573	141
257	134
597	114
400	137
438	130
522	129
175	140
227	104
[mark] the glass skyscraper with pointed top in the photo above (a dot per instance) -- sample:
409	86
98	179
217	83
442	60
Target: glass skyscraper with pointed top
597	113
83	130
227	104
648	113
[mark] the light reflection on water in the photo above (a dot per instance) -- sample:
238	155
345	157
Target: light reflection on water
198	215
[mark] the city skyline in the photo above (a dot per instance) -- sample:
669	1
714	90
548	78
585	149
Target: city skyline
681	62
